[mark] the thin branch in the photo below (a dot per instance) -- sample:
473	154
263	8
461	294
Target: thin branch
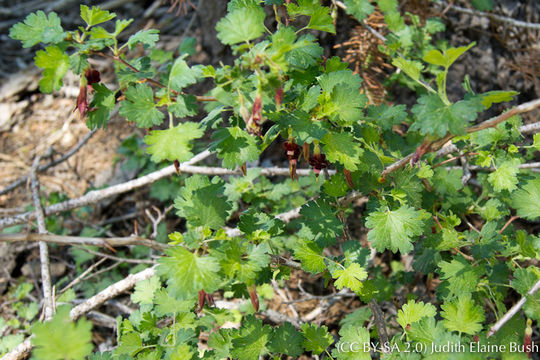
515	217
380	322
119	259
513	311
149	80
48	304
523	108
530	128
98	195
503	19
79	240
45	167
110	292
79	278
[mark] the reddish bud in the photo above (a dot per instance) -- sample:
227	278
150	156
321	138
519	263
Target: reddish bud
318	162
243	169
177	166
420	151
210	299
279	97
305	149
348	178
527	340
255	120
92	76
293	153
202	300
82	101
253	297
476	338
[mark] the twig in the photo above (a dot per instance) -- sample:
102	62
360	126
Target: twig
513	311
285	298
119	259
97	195
508	223
525	107
530	128
110	292
79	278
160	216
380	323
78	240
48	304
149	80
45	167
496	17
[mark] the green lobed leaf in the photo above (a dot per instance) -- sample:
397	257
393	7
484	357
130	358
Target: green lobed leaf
286	340
342	148
139	106
62	338
395	229
146	37
526	200
447	57
241	24
187	273
173	143
145	290
319	222
413	312
310	256
409	67
360	9
202	203
182	75
462	315
353	338
101	107
95	15
433	117
251	340
350	277
235	146
38	27
505	176
316	339
55	64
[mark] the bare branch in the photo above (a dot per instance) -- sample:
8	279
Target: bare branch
530	128
97	195
513	311
380	322
503	19
48	304
523	108
110	292
79	240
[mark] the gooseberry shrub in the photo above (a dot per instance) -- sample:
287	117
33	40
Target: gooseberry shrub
236	241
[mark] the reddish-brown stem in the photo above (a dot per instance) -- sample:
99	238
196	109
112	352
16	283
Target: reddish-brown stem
151	81
508	223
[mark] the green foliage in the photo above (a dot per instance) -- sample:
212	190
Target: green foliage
62	338
462	315
55	64
281	87
395	229
187	273
38	28
173	143
140	108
